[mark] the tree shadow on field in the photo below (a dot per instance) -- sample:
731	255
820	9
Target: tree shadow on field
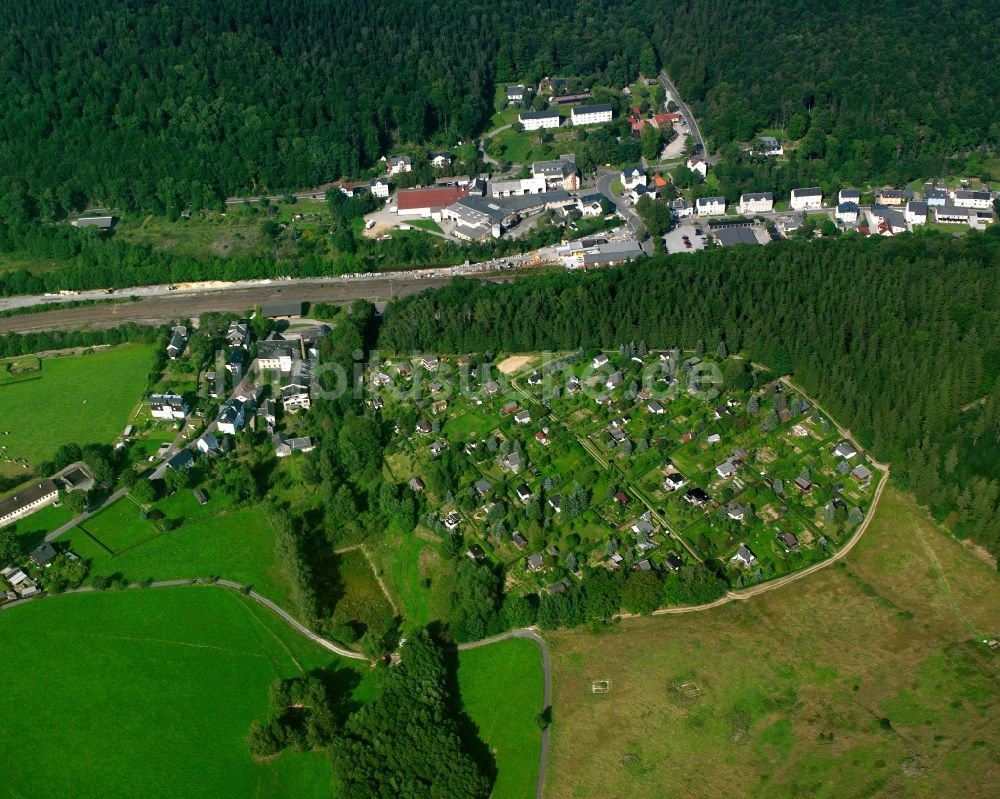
468	730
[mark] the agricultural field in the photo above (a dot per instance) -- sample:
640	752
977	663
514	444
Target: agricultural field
512	670
210	648
151	693
215	540
623	461
86	399
867	679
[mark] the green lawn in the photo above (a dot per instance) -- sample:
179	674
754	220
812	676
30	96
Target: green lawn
235	544
426	224
502	692
83	398
32	529
150	693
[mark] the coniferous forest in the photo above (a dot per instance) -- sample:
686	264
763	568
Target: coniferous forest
896	338
155	106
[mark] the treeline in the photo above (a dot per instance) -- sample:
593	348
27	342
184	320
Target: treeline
12	344
897	339
888	95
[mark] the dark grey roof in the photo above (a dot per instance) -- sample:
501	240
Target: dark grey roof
25	497
729	236
283	308
592	109
757	195
538	114
814	191
848	207
43	554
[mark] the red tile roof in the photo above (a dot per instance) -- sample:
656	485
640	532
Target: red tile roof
410	199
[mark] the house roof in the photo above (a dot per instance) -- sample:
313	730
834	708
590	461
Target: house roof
537	115
438	197
810	192
591	109
757	196
22	499
43	554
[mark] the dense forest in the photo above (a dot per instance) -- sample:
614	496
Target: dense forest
161	107
897	338
889	93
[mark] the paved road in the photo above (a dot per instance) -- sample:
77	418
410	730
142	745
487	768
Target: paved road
605	177
686	113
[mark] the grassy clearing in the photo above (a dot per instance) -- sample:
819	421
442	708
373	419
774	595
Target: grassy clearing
426	224
157	688
32	529
82	398
801	675
216	541
355	594
502	690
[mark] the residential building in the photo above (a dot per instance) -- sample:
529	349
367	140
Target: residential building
757	203
515	94
849	196
168	406
744	556
847	212
522	417
632	176
239	334
699	165
99	222
952	215
673	481
599	360
277	353
769	147
788	541
935	195
736	511
893	196
560	173
380	188
232	416
399	164
804	199
27	501
591	205
916	212
710	206
861	473
517	187
440	160
295	397
178	341
43	554
681	208
537	120
973	199
846	450
591	114
286	445
512	462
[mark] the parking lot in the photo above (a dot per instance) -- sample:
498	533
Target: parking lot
685	238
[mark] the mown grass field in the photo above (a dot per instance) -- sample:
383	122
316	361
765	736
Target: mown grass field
502	690
85	399
150	693
214	541
802	676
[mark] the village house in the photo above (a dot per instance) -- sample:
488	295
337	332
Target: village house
523	493
276	353
726	470
295	397
756	203
239	334
542	437
788	541
654	407
804	484
178	341
697	497
599	361
935	195
673	481
437	447
849	196
805	199
861	473
890	197
515	94
452	521
232	416
168	406
846	450
423	427
399	164
483	487
519	540
287	445
769	147
916	212
973	199
522	417
614	381
847	212
555	502
379	187
512	462
440	160
744	556
560	173
536	562
699	165
632	176
710	206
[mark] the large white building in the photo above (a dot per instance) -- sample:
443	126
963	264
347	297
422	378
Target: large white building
916	212
699	165
536	120
379	188
633	176
591	114
710	206
517	187
757	203
973	199
27	501
803	199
